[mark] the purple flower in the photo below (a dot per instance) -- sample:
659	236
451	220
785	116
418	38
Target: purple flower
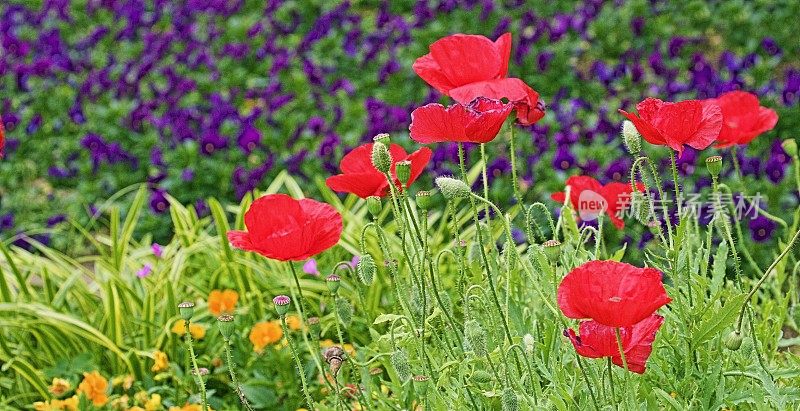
145	271
157	249
158	201
56	219
310	267
771	46
761	229
563	159
249	138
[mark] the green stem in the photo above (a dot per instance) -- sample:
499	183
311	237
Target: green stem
197	377
485	179
514	180
301	303
234	380
298	363
678	200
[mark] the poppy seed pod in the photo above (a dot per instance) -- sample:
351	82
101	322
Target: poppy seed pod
631	137
381	158
510	400
733	341
333	281
282	304
334	356
400	363
452	188
714	165
374	205
403	171
314	327
365	269
186	310
424	200
790	146
382	138
552	249
225	324
421	383
476	337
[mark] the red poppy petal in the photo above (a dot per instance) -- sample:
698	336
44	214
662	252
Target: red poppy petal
434	123
525	99
638	343
689	122
358	160
240	240
618	197
503	45
398	152
360	184
270	213
322	228
428	69
559	197
419	160
650	134
466	58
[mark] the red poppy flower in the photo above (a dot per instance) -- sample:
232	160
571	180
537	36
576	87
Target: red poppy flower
743	119
599	341
691	122
612	293
525	99
361	178
478	122
590	198
282	228
462	59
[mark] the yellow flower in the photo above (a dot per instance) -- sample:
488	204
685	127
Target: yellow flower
94	387
160	361
135	408
348	348
154	403
222	301
293	322
264	334
120	403
189	407
59	387
197	330
69	404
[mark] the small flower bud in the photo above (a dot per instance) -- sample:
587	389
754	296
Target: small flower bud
481	377
314	327
714	165
631	138
334	356
476	338
790	146
421	383
186	310
282	304
424	200
374	205
365	269
333	282
733	340
400	363
452	188
403	171
381	158
552	249
382	138
226	326
510	400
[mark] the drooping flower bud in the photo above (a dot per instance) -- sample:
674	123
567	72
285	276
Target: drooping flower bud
382	138
424	200
374	205
186	310
714	165
476	338
452	188
552	249
733	341
401	365
403	171
333	282
631	138
334	356
365	269
381	157
282	304
226	326
510	400
790	146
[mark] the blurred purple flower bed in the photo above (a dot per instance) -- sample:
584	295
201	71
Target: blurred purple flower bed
203	98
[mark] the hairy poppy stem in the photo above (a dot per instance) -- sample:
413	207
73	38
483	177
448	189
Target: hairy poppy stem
232	372
300	303
485	180
197	377
514	180
298	363
678	200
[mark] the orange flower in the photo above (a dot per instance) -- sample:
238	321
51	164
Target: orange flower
94	387
293	322
265	333
160	361
59	387
222	302
189	407
197	330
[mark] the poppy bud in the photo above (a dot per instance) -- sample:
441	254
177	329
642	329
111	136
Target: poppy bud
510	401
476	337
424	200
631	137
225	324
790	146
333	282
403	171
365	269
334	356
314	327
400	363
382	138
374	205
714	165
186	310
733	340
481	377
421	383
552	249
281	304
344	310
452	188
381	158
